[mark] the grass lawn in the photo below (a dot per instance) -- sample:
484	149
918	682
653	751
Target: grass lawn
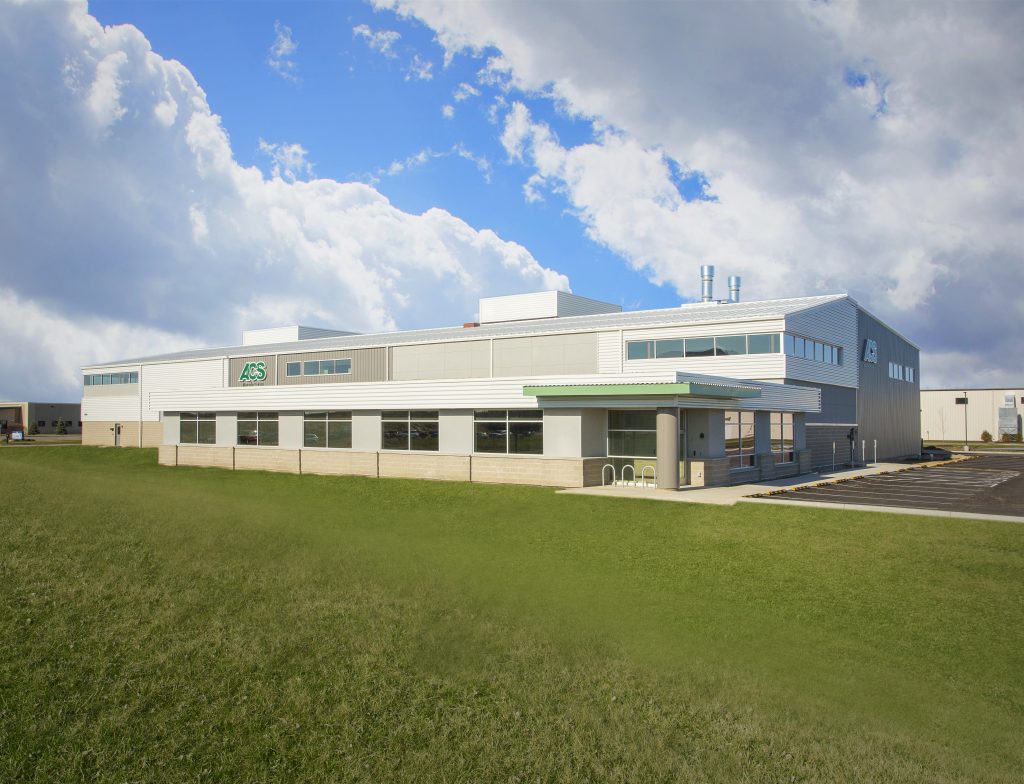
198	625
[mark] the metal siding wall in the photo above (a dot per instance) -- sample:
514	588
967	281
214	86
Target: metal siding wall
465	359
943	420
175	377
838	404
546	355
368	364
575	305
609	352
888	410
111	390
835	323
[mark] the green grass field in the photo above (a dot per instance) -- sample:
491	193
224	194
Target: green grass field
196	625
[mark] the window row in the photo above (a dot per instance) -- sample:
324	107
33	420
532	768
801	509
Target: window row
318	367
716	346
899	372
516	432
814	350
103	379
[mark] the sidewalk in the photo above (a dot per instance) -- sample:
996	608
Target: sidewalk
727	496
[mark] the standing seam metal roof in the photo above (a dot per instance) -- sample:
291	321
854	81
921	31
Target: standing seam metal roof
695	313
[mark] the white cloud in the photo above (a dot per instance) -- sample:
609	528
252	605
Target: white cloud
448	111
281	51
288	161
426	155
420	69
867	147
464	92
149	237
381	41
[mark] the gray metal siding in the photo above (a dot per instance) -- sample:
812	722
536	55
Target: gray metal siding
547	355
368	364
888	410
464	359
838	404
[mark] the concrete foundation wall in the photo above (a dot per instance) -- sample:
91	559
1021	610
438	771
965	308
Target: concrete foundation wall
338	463
208	456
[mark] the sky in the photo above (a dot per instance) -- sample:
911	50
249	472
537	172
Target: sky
173	173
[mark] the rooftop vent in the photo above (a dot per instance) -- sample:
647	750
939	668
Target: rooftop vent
707	282
734	288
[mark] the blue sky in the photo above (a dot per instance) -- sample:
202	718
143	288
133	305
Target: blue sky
177	172
356	110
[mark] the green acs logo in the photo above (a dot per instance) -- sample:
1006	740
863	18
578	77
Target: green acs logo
253	372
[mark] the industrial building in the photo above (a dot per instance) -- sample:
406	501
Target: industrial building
964	414
42	418
548	388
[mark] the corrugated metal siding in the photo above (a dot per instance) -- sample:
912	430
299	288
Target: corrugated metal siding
753	366
609	352
887	409
574	305
465	359
111	390
540	304
835	323
202	374
111	409
237	364
838	404
368	364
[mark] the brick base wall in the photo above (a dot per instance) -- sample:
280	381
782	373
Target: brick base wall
284	461
335	463
207	456
102	434
167	454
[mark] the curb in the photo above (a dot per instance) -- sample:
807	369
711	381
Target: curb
888	510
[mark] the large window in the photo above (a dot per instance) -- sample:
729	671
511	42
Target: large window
410	430
782	436
104	379
509	432
739	438
257	428
814	350
197	427
720	345
327	429
318	367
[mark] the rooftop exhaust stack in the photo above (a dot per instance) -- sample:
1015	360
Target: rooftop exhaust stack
707	280
734	288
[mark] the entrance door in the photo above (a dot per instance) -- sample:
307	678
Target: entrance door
117	434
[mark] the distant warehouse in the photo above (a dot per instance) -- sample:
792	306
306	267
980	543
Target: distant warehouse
952	414
42	418
548	388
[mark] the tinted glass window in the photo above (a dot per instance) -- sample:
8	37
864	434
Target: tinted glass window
731	344
700	347
638	349
668	349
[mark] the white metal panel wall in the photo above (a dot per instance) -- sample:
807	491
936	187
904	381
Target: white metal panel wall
174	377
563	433
835	323
609	352
519	307
456	434
365	430
111	409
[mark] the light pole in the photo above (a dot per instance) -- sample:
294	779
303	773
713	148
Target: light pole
967	447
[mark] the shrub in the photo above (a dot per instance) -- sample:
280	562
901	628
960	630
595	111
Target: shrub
986	436
62	427
33	429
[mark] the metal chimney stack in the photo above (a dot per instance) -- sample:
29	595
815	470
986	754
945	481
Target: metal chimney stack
707	280
734	288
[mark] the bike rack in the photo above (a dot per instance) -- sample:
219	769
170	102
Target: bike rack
654	475
607	465
631	468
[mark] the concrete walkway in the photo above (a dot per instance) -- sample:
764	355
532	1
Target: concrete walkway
727	496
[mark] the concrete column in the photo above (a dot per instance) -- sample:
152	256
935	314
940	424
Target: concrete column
456	435
668	448
762	432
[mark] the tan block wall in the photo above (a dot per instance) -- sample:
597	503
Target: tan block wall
208	456
255	458
411	465
336	463
100	434
592	470
550	472
167	454
713	471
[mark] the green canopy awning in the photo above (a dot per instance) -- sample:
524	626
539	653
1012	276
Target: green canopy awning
677	389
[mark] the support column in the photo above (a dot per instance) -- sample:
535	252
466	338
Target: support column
668	448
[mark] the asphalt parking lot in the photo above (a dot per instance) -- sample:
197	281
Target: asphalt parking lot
986	484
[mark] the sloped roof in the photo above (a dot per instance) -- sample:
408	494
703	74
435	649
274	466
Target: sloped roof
693	313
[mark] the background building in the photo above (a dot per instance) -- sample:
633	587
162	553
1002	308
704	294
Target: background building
997	410
547	388
44	415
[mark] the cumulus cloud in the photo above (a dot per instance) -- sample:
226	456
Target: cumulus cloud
381	41
419	69
129	228
287	161
867	147
281	51
448	111
464	92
